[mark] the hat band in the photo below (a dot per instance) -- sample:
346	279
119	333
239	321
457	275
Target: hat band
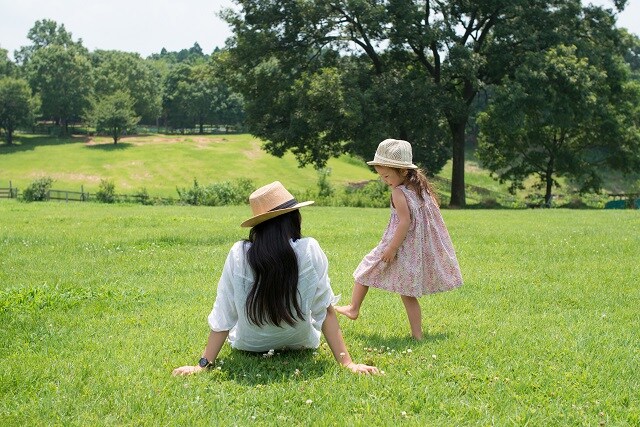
379	158
285	205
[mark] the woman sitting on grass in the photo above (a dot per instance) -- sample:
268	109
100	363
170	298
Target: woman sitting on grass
274	292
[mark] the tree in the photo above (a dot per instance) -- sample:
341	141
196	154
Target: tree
114	115
7	68
192	55
17	106
123	71
561	116
189	95
45	33
62	78
401	68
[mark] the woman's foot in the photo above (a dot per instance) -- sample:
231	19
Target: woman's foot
347	310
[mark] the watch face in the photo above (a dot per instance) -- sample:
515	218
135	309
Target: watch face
203	363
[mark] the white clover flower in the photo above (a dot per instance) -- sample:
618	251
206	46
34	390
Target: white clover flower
309	402
409	350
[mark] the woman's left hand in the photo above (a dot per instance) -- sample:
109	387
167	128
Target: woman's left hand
187	370
361	368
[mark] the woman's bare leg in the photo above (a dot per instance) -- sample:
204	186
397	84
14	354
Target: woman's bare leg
357	296
412	305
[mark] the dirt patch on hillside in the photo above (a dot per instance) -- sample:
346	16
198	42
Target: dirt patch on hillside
80	177
138	140
254	152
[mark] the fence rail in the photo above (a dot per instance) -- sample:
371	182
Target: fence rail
68	196
10	192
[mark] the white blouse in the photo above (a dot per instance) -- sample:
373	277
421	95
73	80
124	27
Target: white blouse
314	295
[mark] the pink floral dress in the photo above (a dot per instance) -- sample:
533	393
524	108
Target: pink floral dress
425	263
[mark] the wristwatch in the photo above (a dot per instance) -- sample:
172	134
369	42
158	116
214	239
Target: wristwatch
204	363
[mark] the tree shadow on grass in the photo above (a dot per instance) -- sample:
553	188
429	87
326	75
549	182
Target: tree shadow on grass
110	146
30	143
251	369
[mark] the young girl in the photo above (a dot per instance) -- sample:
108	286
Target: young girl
274	292
415	256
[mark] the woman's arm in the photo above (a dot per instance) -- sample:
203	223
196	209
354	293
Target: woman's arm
331	332
404	217
214	344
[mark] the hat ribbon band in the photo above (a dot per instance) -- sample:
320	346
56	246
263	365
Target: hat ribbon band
379	158
285	205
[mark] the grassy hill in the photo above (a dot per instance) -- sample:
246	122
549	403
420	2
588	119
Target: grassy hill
161	163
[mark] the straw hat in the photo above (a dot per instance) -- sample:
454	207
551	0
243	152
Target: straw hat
393	153
270	201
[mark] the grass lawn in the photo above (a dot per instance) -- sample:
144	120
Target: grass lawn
98	303
160	163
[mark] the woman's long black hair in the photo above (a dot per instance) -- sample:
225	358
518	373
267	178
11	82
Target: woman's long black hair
273	296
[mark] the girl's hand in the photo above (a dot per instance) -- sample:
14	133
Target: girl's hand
389	254
187	370
360	368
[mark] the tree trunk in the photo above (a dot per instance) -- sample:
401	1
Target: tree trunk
201	128
458	196
9	130
549	183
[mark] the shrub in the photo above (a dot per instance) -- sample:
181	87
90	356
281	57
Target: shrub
217	194
38	190
192	196
106	191
325	189
372	194
142	196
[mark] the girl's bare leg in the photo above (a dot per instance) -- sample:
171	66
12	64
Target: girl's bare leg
357	296
414	314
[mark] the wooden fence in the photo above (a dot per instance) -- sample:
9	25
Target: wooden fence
8	192
11	192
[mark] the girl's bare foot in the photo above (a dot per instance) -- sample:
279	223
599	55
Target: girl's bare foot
347	310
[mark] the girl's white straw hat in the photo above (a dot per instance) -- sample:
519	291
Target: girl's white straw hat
270	201
394	153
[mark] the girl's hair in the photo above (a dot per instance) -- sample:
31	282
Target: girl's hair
417	181
273	296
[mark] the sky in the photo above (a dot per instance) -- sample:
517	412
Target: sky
145	26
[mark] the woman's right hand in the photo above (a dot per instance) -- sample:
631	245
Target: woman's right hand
360	368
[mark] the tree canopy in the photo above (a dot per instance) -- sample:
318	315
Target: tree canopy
559	116
17	107
401	68
114	114
115	71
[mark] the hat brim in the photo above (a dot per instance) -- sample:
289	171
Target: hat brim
272	214
393	165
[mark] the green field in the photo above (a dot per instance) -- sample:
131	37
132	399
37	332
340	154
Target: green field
160	163
98	303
